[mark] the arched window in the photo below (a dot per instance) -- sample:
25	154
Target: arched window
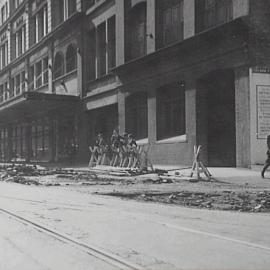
58	67
71	58
136	43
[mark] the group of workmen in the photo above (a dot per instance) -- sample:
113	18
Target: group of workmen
122	151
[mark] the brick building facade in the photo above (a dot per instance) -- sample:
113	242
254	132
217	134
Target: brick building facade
174	73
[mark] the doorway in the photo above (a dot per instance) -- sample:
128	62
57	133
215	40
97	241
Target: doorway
217	129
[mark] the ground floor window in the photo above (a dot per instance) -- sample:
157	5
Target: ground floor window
18	142
3	144
40	140
171	111
136	115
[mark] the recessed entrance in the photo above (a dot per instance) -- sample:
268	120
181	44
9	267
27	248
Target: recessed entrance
216	118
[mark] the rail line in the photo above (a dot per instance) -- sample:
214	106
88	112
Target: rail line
98	253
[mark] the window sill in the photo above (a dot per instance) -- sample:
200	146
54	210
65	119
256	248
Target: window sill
177	139
142	141
66	75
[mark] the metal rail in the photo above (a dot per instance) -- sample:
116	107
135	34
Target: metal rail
105	256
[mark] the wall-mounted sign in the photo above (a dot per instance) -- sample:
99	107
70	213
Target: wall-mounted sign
263	111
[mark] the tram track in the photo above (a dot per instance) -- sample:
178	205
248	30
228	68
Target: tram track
107	257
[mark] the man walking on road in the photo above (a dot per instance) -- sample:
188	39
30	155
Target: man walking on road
267	162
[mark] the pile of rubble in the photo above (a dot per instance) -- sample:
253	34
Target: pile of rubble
19	174
246	201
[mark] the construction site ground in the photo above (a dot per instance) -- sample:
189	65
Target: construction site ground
230	189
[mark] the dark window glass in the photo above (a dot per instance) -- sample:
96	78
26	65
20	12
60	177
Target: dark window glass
136	32
170	111
58	68
111	43
71	7
101	49
71	59
136	115
91	56
210	13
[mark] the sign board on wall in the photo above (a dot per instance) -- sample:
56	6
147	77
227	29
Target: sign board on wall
263	111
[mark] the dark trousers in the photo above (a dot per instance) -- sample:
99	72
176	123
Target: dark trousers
265	167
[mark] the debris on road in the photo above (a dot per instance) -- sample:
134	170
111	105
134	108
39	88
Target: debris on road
220	200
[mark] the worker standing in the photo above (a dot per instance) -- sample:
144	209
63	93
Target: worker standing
267	162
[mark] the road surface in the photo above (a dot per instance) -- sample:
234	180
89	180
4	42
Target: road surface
143	235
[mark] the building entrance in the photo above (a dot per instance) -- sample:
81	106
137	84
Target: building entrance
216	118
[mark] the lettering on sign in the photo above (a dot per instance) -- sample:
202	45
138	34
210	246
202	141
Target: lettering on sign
263	111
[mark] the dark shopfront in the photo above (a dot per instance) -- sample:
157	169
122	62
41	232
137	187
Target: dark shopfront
39	128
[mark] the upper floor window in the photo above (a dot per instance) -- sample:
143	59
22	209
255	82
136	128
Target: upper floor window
1	93
171	22
4	12
62	10
18	84
210	13
4	54
58	67
71	58
20	41
16	3
40	24
105	46
136	32
72	7
38	74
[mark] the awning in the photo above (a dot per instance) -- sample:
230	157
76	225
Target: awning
32	104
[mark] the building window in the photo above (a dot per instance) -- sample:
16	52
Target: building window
40	24
105	47
17	84
38	74
6	90
3	144
136	32
45	70
20	38
72	7
171	22
136	115
71	59
12	88
210	13
58	68
4	12
1	93
16	3
91	55
101	49
4	54
171	111
111	43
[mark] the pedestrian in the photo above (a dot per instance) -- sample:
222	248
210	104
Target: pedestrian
267	162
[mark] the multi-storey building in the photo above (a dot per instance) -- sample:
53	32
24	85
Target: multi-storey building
39	48
174	73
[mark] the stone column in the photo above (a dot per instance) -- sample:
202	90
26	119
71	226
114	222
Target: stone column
150	26
120	32
152	115
121	96
242	116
